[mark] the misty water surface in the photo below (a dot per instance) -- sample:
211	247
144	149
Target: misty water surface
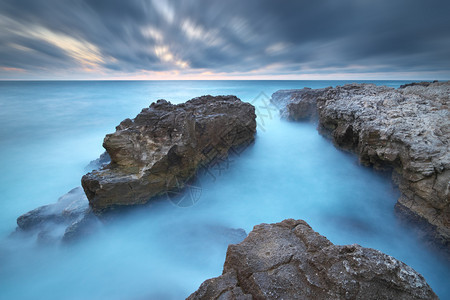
49	132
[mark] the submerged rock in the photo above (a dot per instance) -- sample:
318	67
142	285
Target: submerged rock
98	163
289	260
164	146
61	220
405	130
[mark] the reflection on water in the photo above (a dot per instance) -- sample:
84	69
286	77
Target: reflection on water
50	132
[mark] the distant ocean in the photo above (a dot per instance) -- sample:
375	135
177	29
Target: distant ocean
50	130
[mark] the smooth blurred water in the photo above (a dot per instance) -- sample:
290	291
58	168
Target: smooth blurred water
49	131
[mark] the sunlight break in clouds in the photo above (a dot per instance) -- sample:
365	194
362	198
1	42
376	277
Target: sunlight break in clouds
165	55
105	39
9	69
153	33
165	9
87	54
197	32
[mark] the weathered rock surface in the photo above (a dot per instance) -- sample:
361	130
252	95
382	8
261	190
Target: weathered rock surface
164	146
63	220
423	83
406	130
289	260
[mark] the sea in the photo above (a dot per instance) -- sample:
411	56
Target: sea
51	130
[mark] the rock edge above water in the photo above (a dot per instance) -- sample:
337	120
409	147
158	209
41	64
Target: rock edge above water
158	151
406	130
289	260
67	220
165	145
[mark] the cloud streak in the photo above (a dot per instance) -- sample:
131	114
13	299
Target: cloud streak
231	39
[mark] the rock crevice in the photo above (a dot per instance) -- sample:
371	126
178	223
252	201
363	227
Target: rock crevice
405	130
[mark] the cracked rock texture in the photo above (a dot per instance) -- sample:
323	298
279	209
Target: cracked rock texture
406	130
289	260
164	146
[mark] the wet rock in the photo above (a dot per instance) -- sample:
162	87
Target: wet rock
99	163
82	227
50	222
297	105
406	131
289	260
164	146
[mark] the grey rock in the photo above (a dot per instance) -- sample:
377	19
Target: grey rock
164	146
298	105
289	260
82	227
99	163
49	223
423	83
69	207
225	287
405	130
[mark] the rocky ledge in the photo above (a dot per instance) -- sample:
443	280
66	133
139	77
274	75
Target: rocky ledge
406	130
157	152
289	260
68	219
165	145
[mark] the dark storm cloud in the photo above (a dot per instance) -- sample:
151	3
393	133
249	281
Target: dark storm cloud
226	36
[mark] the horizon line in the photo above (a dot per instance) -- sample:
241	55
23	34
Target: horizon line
62	80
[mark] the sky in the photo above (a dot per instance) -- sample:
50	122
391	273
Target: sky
224	39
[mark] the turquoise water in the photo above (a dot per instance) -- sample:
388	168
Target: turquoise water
49	131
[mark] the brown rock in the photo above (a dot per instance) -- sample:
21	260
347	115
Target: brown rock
164	146
289	260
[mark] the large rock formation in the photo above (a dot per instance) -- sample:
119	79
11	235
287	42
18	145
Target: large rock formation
289	260
164	146
406	130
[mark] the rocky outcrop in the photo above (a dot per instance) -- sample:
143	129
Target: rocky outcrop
165	145
298	105
405	130
66	220
423	83
289	260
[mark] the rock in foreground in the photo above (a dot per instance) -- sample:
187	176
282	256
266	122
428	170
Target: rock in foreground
165	145
406	130
289	260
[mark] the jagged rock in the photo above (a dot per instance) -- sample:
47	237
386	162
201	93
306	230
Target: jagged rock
50	222
423	83
165	145
406	130
289	260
